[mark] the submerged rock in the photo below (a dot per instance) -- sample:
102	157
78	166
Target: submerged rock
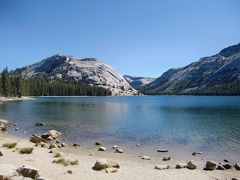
76	145
162	150
97	143
27	171
40	124
191	165
210	166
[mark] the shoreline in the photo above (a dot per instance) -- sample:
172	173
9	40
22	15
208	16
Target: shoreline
131	166
10	99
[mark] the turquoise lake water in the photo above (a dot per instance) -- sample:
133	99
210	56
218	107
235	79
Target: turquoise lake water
190	123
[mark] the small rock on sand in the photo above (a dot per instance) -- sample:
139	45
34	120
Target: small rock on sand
146	158
51	146
237	166
220	167
102	149
1	154
227	166
181	165
27	171
111	170
191	165
69	172
167	158
161	167
118	151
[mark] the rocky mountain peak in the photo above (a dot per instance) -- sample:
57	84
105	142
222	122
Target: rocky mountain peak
88	70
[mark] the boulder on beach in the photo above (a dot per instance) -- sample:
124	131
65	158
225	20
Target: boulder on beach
227	166
1	154
237	166
162	167
220	167
210	166
3	121
104	164
191	165
3	124
28	171
54	134
36	139
100	164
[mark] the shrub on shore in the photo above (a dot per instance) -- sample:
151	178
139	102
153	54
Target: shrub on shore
25	150
9	145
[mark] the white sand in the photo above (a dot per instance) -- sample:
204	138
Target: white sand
132	167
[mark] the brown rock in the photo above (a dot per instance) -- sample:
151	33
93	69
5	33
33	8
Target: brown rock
36	139
191	165
27	171
210	166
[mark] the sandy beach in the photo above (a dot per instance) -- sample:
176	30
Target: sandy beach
131	166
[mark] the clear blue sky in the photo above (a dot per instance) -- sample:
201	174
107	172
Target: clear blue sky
136	37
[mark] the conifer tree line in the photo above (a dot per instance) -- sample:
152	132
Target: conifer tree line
12	85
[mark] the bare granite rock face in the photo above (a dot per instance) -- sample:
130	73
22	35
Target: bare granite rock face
210	75
88	70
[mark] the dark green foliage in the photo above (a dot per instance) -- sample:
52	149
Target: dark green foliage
14	85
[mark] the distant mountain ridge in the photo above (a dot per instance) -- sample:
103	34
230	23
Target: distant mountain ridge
88	70
138	82
215	75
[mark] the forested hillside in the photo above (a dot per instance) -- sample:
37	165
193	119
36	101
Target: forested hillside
12	85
